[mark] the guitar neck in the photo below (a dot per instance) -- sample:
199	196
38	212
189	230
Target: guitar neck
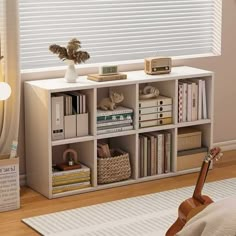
197	194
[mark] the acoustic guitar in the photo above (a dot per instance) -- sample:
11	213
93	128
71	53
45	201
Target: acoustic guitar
197	202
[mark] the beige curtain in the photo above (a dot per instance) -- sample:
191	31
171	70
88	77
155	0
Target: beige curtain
10	109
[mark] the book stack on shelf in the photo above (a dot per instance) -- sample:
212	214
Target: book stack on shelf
155	111
192	103
63	181
69	115
120	119
154	153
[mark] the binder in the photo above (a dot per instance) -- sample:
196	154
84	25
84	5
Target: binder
149	123
149	110
159	115
160	101
57	117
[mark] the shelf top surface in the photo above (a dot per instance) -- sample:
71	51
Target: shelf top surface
59	84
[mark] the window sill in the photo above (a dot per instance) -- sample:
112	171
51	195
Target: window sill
84	69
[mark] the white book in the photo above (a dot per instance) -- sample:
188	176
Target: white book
204	105
160	151
145	144
199	99
189	102
194	101
114	130
107	124
118	110
185	91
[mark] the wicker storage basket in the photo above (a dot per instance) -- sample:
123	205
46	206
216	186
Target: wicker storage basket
115	168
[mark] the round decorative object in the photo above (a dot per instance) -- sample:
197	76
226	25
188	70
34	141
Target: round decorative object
149	92
71	74
72	160
5	91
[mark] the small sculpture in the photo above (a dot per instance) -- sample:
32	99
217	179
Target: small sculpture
148	92
110	102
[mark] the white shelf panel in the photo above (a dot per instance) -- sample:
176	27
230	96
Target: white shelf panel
156	128
192	123
73	140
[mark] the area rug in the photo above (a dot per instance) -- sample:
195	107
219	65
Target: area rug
146	215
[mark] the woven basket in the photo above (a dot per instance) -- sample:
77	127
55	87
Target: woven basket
115	168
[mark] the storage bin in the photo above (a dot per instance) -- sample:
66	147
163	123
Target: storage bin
189	138
9	183
115	168
190	161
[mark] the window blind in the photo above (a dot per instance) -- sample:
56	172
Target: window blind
118	30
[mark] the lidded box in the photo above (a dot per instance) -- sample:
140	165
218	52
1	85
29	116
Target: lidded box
189	138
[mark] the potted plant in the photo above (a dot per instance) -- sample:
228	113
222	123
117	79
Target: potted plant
72	55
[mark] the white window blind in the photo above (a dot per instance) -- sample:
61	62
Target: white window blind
118	30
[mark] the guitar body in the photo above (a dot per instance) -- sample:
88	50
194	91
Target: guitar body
197	202
186	211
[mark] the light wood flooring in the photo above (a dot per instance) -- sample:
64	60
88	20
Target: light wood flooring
33	204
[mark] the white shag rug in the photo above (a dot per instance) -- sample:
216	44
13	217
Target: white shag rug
146	215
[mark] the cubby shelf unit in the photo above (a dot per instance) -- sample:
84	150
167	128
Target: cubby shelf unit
42	151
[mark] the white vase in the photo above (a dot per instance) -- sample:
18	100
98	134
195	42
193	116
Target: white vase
71	74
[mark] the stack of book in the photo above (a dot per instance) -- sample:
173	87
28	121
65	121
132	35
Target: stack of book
154	153
155	111
192	104
69	180
121	119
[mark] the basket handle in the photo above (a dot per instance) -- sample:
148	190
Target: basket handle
70	150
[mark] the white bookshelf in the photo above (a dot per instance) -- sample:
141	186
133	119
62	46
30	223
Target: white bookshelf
41	149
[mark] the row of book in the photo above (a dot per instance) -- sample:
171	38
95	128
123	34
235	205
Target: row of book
69	115
69	180
155	111
154	153
120	119
192	102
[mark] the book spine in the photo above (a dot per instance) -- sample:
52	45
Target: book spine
199	99
204	99
189	102
119	129
114	123
114	112
185	91
145	161
102	119
141	161
180	103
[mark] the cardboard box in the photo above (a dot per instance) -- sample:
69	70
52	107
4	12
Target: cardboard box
189	138
190	161
9	183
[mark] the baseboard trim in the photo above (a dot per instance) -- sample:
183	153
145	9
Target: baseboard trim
22	180
226	146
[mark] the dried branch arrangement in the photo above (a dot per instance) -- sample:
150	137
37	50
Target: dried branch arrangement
71	52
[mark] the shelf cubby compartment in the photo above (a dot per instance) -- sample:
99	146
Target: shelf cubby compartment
156	111
122	118
193	146
195	100
155	153
126	145
77	179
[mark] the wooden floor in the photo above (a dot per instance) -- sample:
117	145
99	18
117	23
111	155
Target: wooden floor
33	204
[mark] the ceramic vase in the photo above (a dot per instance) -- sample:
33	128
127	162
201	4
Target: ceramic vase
70	75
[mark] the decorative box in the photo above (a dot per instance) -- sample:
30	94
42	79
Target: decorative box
189	138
